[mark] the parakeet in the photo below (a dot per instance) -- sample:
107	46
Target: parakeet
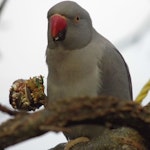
81	62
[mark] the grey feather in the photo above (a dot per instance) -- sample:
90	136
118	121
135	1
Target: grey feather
115	73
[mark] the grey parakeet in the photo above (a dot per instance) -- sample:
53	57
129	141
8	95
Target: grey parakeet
81	62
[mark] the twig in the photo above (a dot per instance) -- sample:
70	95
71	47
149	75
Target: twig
2	5
8	111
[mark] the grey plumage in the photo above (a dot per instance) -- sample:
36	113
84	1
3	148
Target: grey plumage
83	62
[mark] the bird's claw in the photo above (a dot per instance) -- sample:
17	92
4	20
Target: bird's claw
73	142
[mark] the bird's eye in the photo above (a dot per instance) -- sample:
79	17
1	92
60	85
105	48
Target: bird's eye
77	19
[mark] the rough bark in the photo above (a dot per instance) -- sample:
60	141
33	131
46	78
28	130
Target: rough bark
117	116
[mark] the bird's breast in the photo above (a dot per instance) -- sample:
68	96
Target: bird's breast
73	74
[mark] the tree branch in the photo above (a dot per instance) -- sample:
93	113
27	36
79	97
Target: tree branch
8	111
119	139
2	5
64	113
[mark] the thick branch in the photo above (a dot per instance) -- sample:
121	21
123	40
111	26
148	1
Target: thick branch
100	110
116	139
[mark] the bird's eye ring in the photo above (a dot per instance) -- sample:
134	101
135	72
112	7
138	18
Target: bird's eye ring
77	19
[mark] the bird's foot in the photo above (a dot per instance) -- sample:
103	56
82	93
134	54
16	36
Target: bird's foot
73	142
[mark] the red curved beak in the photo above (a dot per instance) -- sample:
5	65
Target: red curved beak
58	25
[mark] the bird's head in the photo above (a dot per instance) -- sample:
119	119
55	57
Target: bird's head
69	25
